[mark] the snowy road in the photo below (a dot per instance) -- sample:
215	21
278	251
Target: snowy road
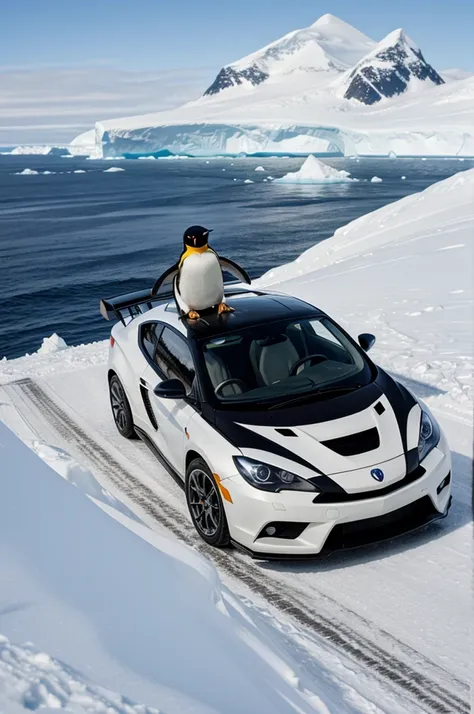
357	602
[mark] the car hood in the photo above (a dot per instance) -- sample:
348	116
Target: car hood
348	433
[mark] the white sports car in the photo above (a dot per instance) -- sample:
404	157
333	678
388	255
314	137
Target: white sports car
287	438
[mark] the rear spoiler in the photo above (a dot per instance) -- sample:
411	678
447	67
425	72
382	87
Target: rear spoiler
131	304
126	307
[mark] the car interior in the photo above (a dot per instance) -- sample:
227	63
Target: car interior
285	353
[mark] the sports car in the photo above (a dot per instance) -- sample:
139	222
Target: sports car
289	441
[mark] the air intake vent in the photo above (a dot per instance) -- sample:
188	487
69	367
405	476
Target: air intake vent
286	432
148	407
355	444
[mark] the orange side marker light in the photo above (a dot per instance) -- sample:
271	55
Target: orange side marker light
224	491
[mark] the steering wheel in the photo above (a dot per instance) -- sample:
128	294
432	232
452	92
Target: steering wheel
316	359
232	380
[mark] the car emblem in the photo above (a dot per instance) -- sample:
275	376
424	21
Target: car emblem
377	474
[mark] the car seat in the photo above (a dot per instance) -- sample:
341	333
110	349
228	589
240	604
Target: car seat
272	358
218	372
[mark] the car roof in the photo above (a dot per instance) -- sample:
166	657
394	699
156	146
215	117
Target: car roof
250	309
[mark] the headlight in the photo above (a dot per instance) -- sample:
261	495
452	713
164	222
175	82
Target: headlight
270	478
429	433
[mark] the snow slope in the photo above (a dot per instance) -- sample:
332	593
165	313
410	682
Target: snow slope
291	97
382	628
422	309
100	614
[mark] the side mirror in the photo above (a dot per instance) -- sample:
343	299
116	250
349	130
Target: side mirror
366	341
170	389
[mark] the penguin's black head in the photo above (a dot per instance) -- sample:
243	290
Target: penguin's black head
196	236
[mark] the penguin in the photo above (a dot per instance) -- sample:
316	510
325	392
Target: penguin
197	276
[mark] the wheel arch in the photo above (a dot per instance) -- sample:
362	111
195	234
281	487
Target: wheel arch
193	454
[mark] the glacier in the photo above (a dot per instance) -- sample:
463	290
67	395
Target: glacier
311	97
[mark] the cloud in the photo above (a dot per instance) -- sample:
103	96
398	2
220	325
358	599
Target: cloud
53	104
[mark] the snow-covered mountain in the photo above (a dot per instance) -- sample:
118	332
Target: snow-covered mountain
395	65
314	90
329	46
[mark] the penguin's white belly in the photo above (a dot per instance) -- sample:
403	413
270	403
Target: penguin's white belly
200	281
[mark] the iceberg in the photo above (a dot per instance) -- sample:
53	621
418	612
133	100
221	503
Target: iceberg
52	344
315	171
40	151
376	179
27	172
113	170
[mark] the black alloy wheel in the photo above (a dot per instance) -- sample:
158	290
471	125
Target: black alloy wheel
205	505
121	408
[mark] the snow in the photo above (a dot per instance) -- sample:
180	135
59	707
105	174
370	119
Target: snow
315	171
299	108
403	272
376	179
118	615
455	75
27	172
52	344
412	233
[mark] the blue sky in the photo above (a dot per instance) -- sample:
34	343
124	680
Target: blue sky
64	63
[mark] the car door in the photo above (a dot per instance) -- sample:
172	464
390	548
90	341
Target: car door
172	360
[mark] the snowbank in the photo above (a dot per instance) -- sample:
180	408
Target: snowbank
116	614
315	171
52	344
403	272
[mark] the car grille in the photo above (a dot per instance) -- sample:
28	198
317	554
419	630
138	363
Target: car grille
354	444
341	496
389	525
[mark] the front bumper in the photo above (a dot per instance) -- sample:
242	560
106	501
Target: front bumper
339	525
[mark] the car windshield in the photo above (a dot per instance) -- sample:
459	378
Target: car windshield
281	361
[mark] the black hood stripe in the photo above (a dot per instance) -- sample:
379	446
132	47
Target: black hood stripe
244	438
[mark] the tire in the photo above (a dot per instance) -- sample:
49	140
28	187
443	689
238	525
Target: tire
211	521
121	409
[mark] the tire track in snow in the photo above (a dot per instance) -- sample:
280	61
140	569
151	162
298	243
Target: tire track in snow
426	691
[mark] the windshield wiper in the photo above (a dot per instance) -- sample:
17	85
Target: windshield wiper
309	395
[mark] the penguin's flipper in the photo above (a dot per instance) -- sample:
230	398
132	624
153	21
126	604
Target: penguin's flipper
183	308
230	267
165	279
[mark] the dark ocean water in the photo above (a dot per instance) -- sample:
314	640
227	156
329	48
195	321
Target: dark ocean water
66	239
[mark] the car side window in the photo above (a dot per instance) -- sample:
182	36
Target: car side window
174	358
150	334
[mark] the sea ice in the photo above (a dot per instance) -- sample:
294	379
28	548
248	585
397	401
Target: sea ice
113	169
376	179
27	172
259	168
